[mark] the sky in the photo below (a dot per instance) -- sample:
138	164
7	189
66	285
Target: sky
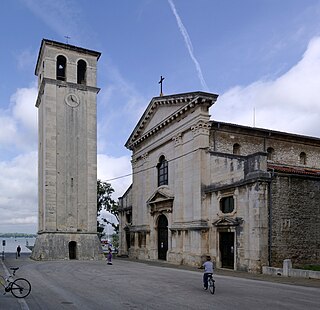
262	57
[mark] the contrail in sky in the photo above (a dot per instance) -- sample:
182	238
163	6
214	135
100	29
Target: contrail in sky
187	40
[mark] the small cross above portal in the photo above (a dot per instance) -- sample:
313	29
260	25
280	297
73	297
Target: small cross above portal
160	82
67	39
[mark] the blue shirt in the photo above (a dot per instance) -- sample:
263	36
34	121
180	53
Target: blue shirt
208	267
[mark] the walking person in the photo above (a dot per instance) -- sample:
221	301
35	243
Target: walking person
208	269
18	251
109	255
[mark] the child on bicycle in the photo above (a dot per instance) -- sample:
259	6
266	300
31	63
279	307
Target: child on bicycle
208	269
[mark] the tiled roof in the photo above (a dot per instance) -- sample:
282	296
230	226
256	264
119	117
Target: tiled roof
294	169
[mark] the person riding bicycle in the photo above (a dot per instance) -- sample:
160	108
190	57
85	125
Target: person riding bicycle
208	269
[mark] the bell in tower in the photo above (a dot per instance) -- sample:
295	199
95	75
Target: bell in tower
67	153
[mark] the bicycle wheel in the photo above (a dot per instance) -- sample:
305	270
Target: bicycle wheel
212	287
20	288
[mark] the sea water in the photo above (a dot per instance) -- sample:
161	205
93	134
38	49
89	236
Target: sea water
12	244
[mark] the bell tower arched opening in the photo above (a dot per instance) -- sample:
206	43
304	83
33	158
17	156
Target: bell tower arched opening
82	72
61	68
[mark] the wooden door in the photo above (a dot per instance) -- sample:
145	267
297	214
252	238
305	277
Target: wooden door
227	249
162	237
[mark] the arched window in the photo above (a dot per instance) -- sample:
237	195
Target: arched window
303	158
82	72
236	149
61	68
162	171
270	152
227	204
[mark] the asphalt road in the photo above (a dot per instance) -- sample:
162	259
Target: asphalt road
134	285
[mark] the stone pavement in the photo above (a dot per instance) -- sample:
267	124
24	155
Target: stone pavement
28	267
238	274
10	260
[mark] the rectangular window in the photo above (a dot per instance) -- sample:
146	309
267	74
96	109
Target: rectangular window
227	204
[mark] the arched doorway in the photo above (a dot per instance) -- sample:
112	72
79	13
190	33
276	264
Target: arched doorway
72	250
162	237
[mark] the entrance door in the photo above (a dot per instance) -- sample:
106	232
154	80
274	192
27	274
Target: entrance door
162	237
227	249
72	250
128	240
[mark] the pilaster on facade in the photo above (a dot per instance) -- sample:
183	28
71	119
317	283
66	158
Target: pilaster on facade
145	157
177	139
138	161
200	128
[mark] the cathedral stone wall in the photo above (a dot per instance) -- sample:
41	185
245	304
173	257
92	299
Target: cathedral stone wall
287	148
245	178
295	220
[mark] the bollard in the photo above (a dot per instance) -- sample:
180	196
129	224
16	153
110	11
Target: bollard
287	266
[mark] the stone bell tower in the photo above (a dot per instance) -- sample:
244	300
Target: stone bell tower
67	151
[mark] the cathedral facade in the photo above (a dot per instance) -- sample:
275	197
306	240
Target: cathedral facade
248	197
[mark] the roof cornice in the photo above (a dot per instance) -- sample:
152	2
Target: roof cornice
63	46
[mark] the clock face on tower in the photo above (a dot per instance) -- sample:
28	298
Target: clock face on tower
72	100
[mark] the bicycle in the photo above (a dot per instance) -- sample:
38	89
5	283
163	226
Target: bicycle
19	288
211	284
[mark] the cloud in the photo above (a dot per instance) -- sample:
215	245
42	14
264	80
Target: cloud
21	220
288	103
18	191
19	121
188	43
8	129
111	169
24	110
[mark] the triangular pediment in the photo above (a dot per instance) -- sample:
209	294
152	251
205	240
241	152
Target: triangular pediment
163	111
161	201
227	221
162	194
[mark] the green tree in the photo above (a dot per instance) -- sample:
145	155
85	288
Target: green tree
105	202
115	240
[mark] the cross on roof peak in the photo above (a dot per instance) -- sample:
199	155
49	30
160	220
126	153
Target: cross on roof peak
160	82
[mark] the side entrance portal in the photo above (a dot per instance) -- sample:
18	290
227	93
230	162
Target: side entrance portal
227	249
162	237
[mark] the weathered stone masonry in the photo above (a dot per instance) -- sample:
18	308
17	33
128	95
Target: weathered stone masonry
295	219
